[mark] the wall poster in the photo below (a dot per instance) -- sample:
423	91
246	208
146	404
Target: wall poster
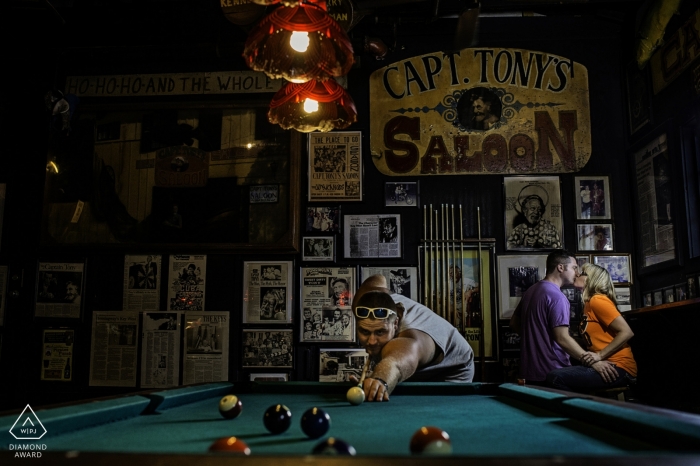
57	355
335	166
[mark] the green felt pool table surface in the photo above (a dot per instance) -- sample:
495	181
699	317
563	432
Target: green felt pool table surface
506	422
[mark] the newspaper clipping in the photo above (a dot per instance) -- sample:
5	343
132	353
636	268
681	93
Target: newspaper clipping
372	236
267	292
401	280
57	354
142	282
339	364
336	166
326	294
206	347
113	350
187	283
59	289
267	348
160	349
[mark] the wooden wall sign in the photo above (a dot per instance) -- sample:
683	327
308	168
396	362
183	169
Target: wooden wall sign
480	111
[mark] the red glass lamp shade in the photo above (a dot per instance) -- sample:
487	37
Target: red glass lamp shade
329	52
336	109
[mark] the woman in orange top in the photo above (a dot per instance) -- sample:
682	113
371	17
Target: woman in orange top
606	332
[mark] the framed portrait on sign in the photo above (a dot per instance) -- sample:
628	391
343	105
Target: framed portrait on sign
595	237
335	166
533	219
318	248
619	267
403	194
267	348
515	275
267	292
339	364
592	194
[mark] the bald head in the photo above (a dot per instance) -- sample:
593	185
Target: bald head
376	283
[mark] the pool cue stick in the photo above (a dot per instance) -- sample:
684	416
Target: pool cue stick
436	290
461	257
364	371
443	283
432	260
454	270
481	302
425	256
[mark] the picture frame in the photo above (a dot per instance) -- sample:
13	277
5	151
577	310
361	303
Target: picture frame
593	198
60	288
619	266
669	295
638	96
318	249
402	280
340	364
267	292
681	291
624	298
372	236
268	377
515	275
648	299
582	259
264	194
658	297
533	214
323	220
401	194
325	300
595	237
510	339
267	348
692	283
335	166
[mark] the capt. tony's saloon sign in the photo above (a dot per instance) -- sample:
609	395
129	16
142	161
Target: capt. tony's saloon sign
480	111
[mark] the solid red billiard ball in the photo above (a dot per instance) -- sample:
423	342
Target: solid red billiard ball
277	419
333	446
315	422
432	441
230	406
230	445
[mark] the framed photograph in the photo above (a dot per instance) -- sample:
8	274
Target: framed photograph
339	364
267	348
593	201
638	96
624	298
372	236
655	170
515	275
326	300
402	280
269	377
595	237
681	291
619	267
648	299
582	259
59	290
658	297
318	248
267	292
510	339
323	219
669	295
403	194
335	166
692	283
533	219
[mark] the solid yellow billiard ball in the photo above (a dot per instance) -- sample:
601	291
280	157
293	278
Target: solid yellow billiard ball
356	396
230	406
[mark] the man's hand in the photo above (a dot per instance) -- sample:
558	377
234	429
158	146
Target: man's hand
589	358
374	389
606	371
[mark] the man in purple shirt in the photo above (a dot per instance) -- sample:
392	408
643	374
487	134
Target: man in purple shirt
542	320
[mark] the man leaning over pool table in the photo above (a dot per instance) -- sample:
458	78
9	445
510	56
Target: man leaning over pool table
406	341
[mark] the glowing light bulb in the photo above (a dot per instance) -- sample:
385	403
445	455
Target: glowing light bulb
249	146
310	105
299	41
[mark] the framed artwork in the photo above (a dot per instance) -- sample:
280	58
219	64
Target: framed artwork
595	237
638	96
692	283
619	266
269	377
656	175
59	290
510	340
267	292
582	259
324	219
335	166
402	194
326	299
402	280
268	348
669	295
318	248
624	298
593	198
681	291
339	364
658	297
533	219
372	236
648	299
515	275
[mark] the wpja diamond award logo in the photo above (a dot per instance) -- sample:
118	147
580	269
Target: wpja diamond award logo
28	427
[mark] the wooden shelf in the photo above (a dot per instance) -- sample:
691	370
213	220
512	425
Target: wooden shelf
663	307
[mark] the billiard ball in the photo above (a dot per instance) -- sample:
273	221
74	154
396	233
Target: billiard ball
315	422
277	418
431	441
230	406
333	446
356	396
230	445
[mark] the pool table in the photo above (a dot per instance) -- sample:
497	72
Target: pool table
487	423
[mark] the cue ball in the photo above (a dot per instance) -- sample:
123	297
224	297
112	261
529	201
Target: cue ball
230	406
333	446
277	419
431	441
230	445
356	396
315	422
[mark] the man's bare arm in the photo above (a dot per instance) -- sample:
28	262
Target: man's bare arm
562	337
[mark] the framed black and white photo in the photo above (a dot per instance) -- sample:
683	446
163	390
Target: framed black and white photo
582	259
326	298
267	348
593	201
619	267
692	283
595	237
324	219
402	280
340	364
372	236
681	291
515	275
402	194
60	289
335	166
648	299
658	297
269	377
267	292
669	295
624	298
533	218
318	248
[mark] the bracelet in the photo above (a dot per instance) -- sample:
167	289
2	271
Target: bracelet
386	385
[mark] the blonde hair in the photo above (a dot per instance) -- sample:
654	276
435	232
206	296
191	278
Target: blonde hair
598	282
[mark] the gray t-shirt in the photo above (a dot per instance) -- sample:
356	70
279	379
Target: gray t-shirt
458	363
